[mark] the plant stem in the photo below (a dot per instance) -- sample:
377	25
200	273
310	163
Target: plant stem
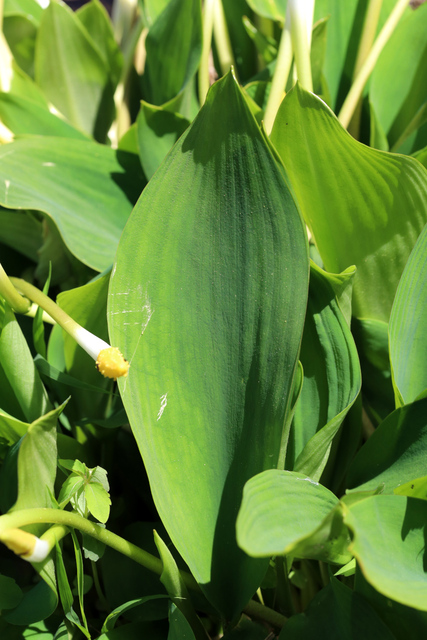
222	39
368	35
10	294
66	519
281	73
300	12
204	76
353	96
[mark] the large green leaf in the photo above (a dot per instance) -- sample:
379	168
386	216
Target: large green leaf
207	301
352	198
280	511
70	69
395	453
389	545
174	46
332	377
42	173
398	87
408	326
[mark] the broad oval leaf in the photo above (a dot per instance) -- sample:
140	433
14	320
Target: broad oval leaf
280	510
42	173
408	326
389	545
352	198
207	301
336	612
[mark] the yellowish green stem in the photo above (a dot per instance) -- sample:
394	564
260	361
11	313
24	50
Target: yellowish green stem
350	103
204	75
281	73
300	43
46	303
10	294
368	36
67	519
222	39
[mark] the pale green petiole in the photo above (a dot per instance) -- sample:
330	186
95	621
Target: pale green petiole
109	360
294	42
353	96
66	519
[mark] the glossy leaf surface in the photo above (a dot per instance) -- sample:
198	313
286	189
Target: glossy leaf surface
408	326
352	197
42	173
389	545
212	345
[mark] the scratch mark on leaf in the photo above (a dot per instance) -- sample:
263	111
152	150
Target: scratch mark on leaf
163	403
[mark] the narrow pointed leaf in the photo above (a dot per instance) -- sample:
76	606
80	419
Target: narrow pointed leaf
214	344
20	376
24	116
352	198
332	377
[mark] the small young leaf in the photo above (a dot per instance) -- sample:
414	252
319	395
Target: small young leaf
98	501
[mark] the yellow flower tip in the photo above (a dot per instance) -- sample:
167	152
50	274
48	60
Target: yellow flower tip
111	363
25	544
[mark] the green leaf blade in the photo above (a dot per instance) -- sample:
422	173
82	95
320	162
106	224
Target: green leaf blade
213	345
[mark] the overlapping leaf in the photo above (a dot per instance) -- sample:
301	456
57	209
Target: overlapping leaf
42	173
408	327
398	88
395	453
286	513
389	544
207	300
174	46
352	198
332	377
